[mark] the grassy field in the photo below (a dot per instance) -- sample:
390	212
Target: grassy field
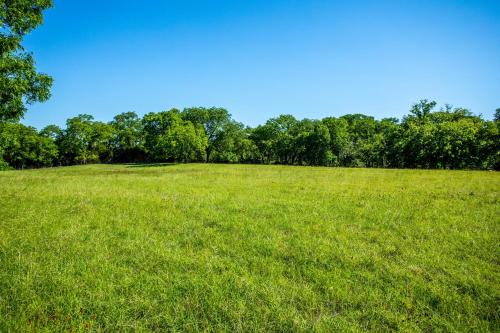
248	248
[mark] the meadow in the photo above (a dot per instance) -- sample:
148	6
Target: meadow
205	247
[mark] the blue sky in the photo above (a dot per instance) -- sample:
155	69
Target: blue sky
260	58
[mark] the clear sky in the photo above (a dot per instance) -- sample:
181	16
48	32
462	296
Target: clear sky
262	58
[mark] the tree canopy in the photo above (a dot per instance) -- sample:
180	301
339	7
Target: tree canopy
20	83
448	138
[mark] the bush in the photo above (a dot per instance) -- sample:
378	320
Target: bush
4	165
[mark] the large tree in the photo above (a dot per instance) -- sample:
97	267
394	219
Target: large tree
264	138
168	137
86	141
128	142
20	83
233	145
213	121
23	147
340	144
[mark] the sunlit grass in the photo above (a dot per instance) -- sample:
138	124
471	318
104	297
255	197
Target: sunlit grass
248	248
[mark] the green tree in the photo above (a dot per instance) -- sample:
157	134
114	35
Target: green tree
213	121
169	137
74	144
340	144
285	131
52	131
450	138
387	150
362	143
128	140
86	141
264	138
185	142
20	83
489	145
22	147
419	111
312	143
101	141
229	142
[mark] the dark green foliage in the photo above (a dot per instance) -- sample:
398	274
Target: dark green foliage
447	139
51	131
85	141
450	138
311	143
233	144
20	83
4	165
168	137
22	147
128	140
213	120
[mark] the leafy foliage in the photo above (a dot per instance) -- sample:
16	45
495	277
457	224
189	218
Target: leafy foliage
20	83
169	137
449	138
128	139
22	147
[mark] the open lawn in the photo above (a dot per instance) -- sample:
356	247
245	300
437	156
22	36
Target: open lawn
200	247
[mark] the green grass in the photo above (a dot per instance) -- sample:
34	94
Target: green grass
248	248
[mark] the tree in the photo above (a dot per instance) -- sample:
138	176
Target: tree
233	145
20	83
75	142
264	137
101	141
489	145
284	129
446	139
450	138
387	152
52	131
213	121
86	141
169	137
361	143
128	140
312	142
340	144
422	109
155	126
22	147
185	142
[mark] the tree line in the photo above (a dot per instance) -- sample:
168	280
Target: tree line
448	138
